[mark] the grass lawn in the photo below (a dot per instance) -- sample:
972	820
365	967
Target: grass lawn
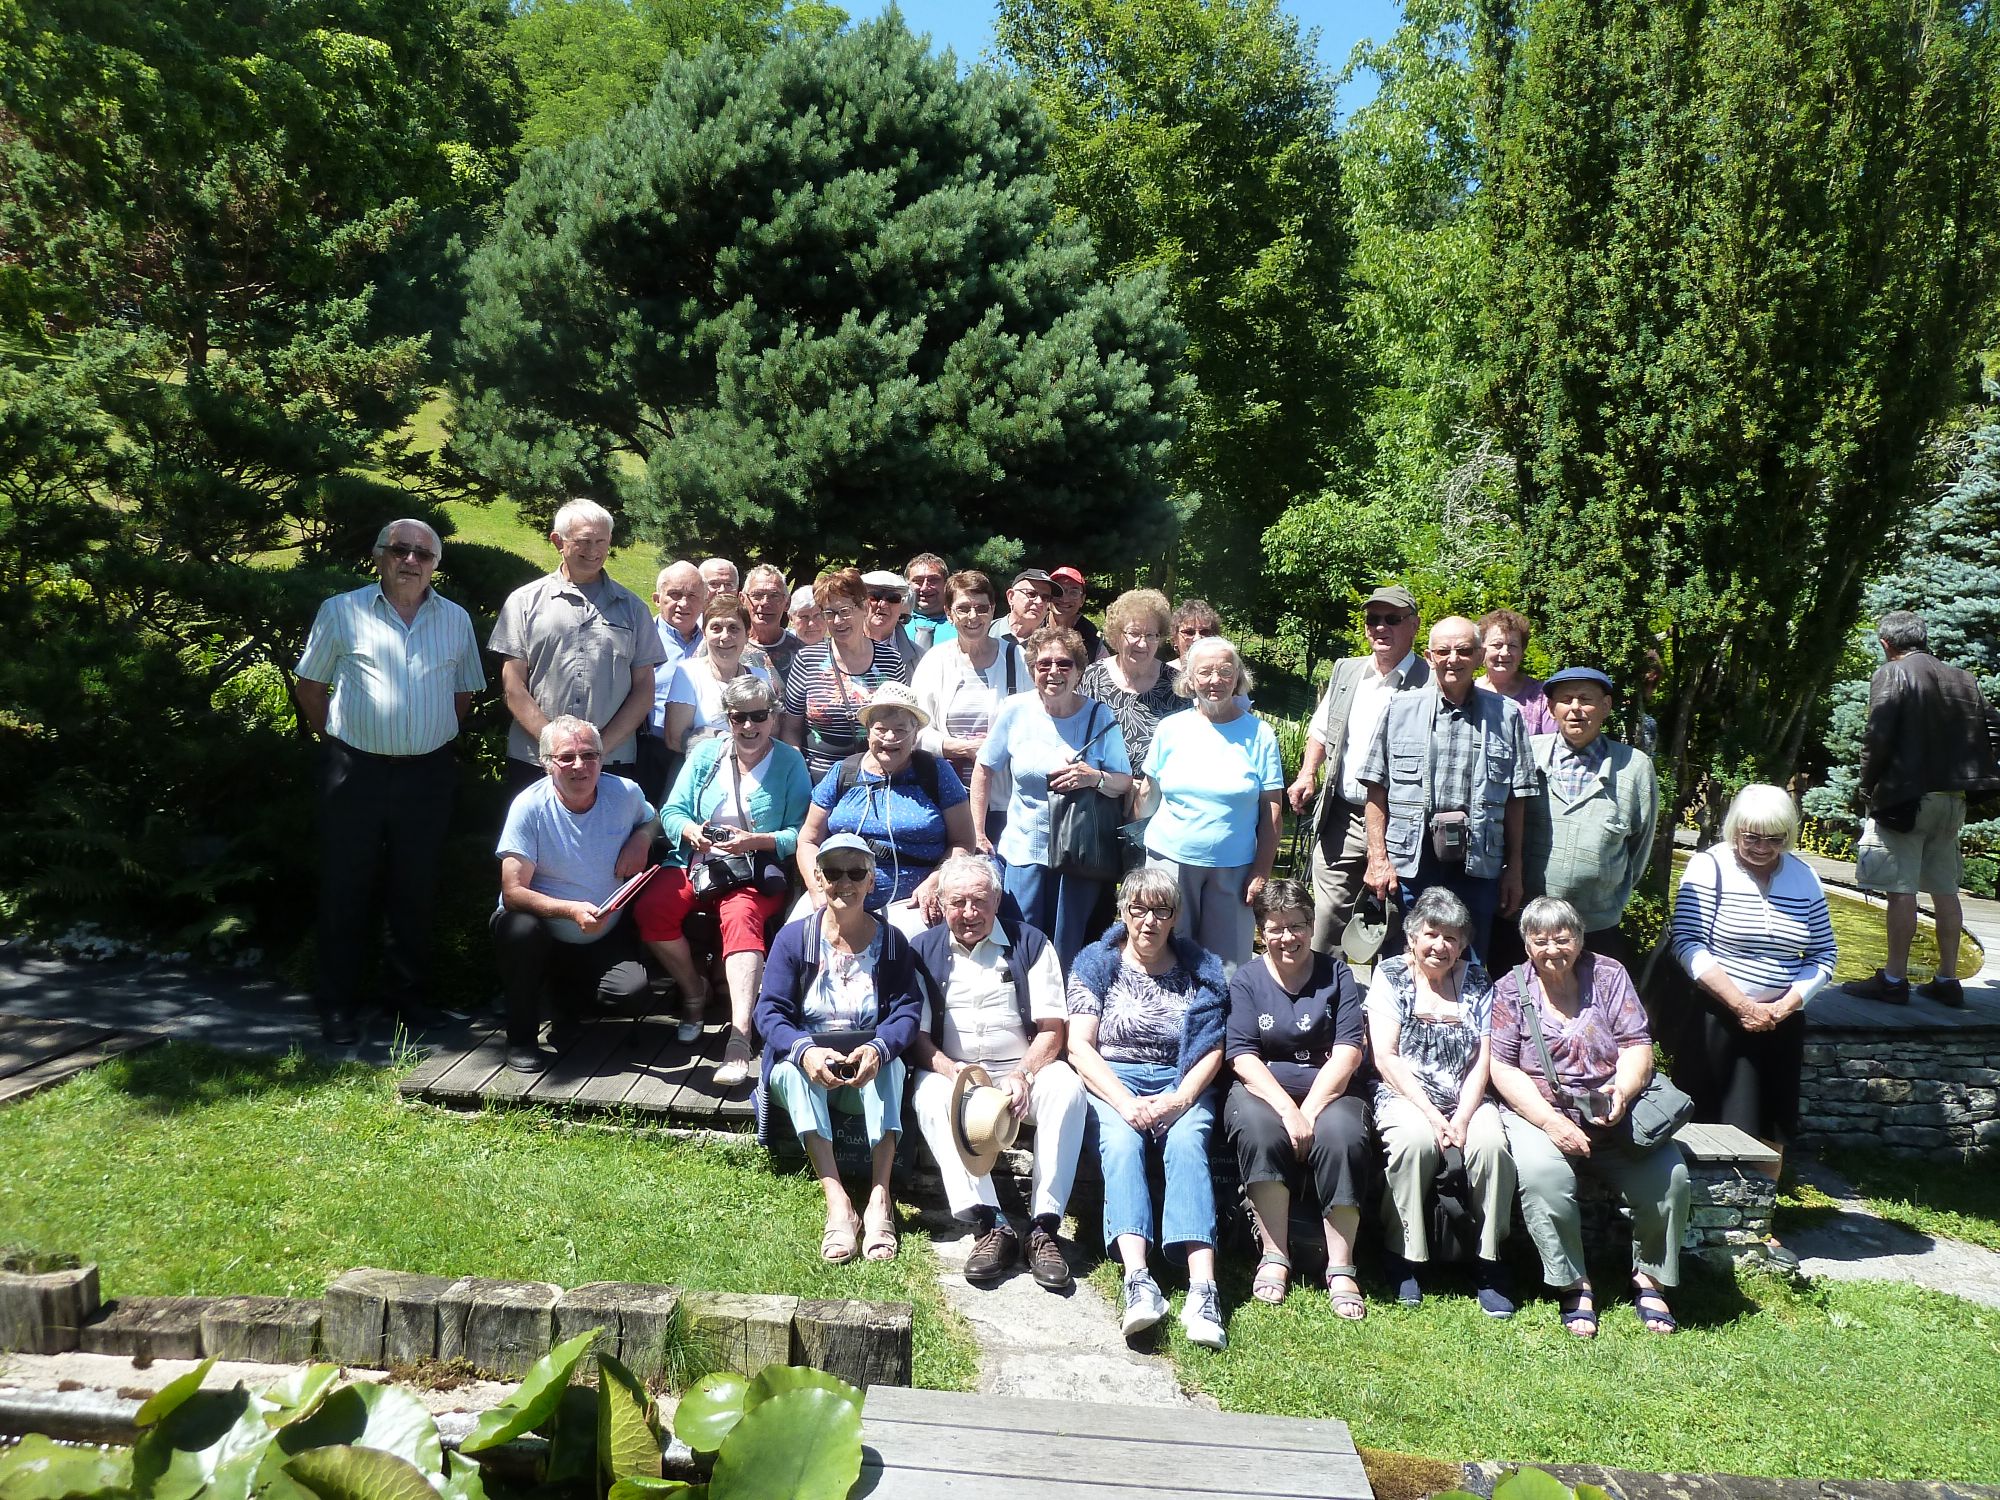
185	1170
1836	1380
1958	1200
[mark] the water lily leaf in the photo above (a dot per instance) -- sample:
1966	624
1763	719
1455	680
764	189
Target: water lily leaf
383	1417
179	1455
299	1394
465	1480
38	1469
572	1434
173	1393
349	1473
805	1444
1531	1484
778	1379
657	1489
628	1430
712	1406
534	1401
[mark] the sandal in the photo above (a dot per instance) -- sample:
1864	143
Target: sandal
838	1245
1576	1318
1658	1313
880	1241
1349	1307
735	1064
688	1031
1273	1278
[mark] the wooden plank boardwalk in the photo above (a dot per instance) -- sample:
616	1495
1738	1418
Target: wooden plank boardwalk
916	1445
1833	1009
35	1055
614	1064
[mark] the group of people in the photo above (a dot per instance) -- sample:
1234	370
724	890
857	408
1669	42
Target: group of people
950	845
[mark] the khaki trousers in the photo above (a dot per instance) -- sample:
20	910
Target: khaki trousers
1336	878
1411	1151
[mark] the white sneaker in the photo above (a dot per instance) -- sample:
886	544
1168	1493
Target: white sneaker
1201	1316
1145	1303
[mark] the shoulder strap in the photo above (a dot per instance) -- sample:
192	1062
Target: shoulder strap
925	765
850	773
1011	655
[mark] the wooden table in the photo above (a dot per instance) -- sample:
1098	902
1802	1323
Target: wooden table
938	1445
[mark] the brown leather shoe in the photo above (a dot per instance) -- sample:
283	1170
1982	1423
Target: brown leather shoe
996	1251
1045	1260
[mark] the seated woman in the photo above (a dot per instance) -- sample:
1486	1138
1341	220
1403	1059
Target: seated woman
839	1006
1296	1042
908	804
745	794
569	842
1427	1012
1146	1011
1594	1028
694	697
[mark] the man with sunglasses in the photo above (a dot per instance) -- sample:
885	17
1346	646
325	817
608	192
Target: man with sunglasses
888	602
385	680
1343	727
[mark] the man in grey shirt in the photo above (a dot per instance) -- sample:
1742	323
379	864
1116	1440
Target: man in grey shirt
576	642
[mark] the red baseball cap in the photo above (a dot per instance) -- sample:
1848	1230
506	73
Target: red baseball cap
1067	574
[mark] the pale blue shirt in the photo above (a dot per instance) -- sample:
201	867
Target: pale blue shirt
678	648
1030	743
393	684
575	855
1212	778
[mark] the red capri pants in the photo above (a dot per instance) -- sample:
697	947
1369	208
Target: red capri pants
668	900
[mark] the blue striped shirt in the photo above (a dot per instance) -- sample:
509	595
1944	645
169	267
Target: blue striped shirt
1765	941
393	684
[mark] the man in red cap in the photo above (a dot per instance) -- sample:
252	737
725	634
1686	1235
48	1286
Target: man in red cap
1066	609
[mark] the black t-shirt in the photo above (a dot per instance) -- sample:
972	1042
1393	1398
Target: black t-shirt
1294	1034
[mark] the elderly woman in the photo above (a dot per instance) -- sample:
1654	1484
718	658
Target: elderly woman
804	618
1582	1009
1752	930
908	804
743	795
1146	1027
962	681
1296	1042
1219	780
1503	636
568	843
1193	619
830	683
694	698
1050	741
1428	1011
1133	682
840	1004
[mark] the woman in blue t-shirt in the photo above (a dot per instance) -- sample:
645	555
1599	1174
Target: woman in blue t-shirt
1217	776
908	804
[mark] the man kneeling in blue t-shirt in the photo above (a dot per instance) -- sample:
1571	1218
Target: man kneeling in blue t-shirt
569	842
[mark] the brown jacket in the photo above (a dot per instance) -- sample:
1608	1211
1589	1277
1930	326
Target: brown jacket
1930	729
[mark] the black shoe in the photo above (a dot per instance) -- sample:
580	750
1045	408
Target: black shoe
1489	1278
994	1255
417	1016
527	1059
1945	992
1046	1261
1878	986
1403	1281
339	1028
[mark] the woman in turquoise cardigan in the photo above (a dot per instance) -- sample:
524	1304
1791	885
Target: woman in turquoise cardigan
743	795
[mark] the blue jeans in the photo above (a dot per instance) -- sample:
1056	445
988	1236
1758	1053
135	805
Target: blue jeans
1060	905
1187	1218
1480	893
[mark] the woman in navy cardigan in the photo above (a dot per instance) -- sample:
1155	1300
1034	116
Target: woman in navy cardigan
840	1003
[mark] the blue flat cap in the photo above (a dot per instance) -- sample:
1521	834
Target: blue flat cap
1576	674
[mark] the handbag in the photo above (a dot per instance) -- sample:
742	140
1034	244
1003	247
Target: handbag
1084	826
1651	1119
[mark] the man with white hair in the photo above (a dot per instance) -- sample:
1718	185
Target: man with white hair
1003	1009
720	575
765	595
385	680
576	642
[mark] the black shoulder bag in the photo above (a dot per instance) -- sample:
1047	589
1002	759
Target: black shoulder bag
1083	826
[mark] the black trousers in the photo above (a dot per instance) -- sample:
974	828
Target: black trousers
1749	1079
1337	1158
533	962
383	821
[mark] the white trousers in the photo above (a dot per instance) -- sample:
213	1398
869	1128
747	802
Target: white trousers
1057	1110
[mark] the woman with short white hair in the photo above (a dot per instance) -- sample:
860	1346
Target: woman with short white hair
1752	930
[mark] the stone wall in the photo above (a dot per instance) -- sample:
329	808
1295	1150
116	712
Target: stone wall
1729	1212
1931	1093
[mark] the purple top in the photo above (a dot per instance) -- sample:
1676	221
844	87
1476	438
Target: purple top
1527	696
1585	1050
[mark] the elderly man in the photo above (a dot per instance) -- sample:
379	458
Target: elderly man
1931	738
575	642
384	682
1028	599
719	576
1341	733
926	573
1588	829
1066	610
888	598
1003	1008
569	842
765	595
1448	778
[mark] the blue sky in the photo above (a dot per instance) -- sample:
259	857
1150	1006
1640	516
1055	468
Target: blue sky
966	26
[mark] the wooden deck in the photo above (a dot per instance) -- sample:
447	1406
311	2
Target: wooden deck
35	1055
937	1445
615	1064
1833	1009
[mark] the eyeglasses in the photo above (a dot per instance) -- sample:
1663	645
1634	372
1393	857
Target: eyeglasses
838	612
1761	840
577	757
1274	930
1194	632
749	715
1140	913
1054	664
979	606
1453	653
1383	622
846	874
414	554
766	596
886	597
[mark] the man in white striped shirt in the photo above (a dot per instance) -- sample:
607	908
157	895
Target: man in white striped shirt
386	677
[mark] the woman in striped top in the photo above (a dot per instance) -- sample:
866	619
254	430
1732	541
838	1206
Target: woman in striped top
1751	929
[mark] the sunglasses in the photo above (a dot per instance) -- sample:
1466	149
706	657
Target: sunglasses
577	758
1055	664
749	715
846	874
886	598
414	554
1382	622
